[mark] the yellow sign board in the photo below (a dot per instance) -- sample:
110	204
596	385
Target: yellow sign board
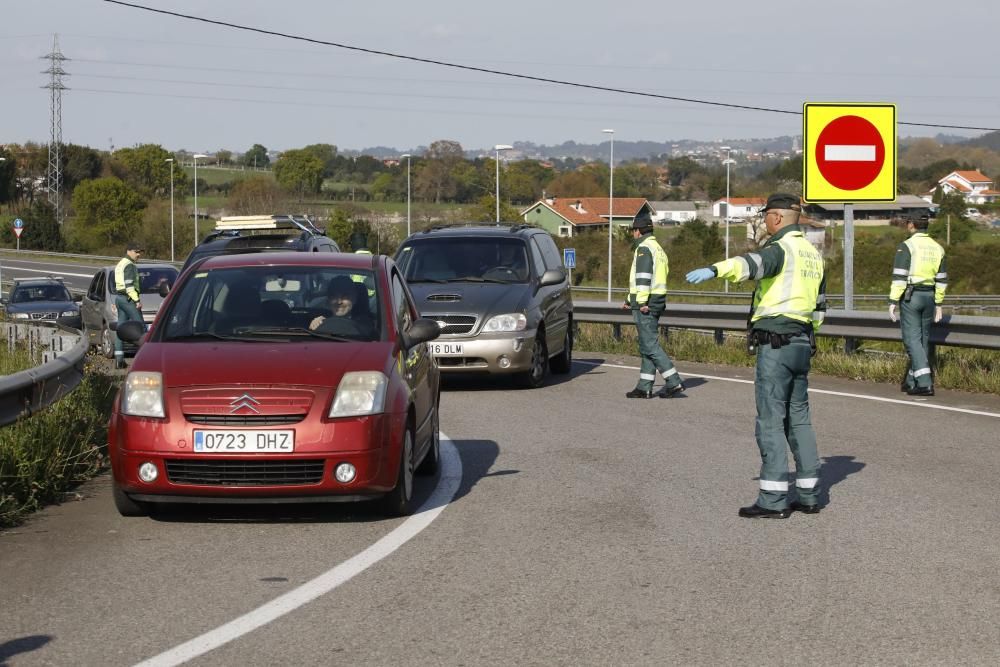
849	152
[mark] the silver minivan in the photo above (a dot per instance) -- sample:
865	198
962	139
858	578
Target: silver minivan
98	305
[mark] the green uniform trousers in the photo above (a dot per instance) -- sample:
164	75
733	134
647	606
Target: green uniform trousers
916	317
654	358
126	312
783	422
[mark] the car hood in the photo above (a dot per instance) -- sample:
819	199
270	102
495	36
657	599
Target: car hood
485	299
314	363
40	306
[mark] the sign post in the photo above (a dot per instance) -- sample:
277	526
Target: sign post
569	261
849	156
18	229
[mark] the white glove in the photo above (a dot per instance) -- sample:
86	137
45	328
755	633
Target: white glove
892	312
937	314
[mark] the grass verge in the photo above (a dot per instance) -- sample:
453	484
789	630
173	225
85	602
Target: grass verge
44	455
954	367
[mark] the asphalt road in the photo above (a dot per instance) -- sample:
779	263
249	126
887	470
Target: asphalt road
76	276
586	529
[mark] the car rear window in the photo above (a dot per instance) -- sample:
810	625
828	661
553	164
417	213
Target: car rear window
487	259
151	279
276	303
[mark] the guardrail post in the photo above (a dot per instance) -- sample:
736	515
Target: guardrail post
720	336
665	332
616	331
851	345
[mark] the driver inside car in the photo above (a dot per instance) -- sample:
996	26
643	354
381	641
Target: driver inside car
349	314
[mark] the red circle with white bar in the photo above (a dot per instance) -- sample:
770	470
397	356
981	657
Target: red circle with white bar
850	153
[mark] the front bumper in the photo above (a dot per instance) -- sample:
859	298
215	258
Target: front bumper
497	354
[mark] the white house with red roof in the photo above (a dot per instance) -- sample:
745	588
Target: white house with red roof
976	187
739	207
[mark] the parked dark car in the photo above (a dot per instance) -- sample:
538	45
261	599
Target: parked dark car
277	378
39	300
262	233
98	305
500	294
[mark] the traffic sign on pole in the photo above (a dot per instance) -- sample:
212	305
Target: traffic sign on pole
569	258
18	223
849	152
18	231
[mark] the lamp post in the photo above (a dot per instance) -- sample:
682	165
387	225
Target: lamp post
498	148
407	156
611	199
171	161
196	157
727	163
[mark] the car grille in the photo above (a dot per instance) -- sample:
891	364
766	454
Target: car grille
244	420
44	316
235	472
444	297
462	362
454	324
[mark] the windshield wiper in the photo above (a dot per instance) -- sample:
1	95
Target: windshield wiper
280	331
201	335
477	279
425	280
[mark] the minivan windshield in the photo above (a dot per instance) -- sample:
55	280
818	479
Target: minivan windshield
464	259
266	303
150	279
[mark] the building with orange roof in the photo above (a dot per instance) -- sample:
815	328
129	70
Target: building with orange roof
568	216
975	186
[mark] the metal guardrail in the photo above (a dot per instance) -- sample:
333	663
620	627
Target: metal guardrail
950	299
956	330
31	390
70	255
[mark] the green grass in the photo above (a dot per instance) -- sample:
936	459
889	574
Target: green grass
220	175
17	360
954	367
46	454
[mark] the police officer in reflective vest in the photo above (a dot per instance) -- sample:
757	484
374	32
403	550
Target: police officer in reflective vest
359	243
919	281
127	294
647	298
788	306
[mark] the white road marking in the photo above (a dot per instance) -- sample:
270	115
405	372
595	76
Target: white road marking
55	274
848	153
449	480
867	397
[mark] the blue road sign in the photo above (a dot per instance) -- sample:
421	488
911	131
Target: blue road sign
569	258
18	223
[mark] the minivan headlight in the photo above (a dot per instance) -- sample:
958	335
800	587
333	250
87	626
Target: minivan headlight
142	395
360	393
506	322
19	316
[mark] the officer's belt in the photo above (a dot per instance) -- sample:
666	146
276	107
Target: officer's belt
760	337
922	288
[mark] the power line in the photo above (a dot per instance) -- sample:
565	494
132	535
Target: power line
483	70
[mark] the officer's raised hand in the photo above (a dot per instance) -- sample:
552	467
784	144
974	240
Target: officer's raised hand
700	275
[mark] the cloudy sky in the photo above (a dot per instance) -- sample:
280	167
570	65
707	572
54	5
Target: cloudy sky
138	77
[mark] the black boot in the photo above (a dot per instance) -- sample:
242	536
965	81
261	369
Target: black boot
639	393
755	511
670	392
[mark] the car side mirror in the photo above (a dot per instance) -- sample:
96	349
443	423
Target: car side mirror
421	331
164	290
130	332
77	298
70	322
3	301
552	277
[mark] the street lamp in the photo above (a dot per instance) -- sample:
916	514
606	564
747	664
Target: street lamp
407	156
611	199
171	161
498	148
727	162
196	157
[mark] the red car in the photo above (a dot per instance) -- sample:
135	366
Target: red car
278	378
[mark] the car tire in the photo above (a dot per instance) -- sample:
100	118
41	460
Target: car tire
534	377
399	501
432	459
125	505
107	342
562	363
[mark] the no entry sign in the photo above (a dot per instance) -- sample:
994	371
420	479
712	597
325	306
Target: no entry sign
849	152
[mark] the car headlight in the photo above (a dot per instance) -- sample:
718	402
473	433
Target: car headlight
360	393
69	313
19	316
142	395
506	322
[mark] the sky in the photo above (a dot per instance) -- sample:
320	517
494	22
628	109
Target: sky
138	77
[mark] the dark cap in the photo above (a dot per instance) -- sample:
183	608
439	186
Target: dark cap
782	200
359	240
920	219
134	245
642	221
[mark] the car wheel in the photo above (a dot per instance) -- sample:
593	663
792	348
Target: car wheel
432	460
107	342
399	501
125	505
563	362
535	376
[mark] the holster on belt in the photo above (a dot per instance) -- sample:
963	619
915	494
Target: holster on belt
907	293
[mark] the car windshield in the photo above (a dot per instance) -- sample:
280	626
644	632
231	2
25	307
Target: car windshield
150	279
488	259
26	294
269	303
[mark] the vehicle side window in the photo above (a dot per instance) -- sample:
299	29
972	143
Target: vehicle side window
536	259
405	312
94	291
102	287
550	253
